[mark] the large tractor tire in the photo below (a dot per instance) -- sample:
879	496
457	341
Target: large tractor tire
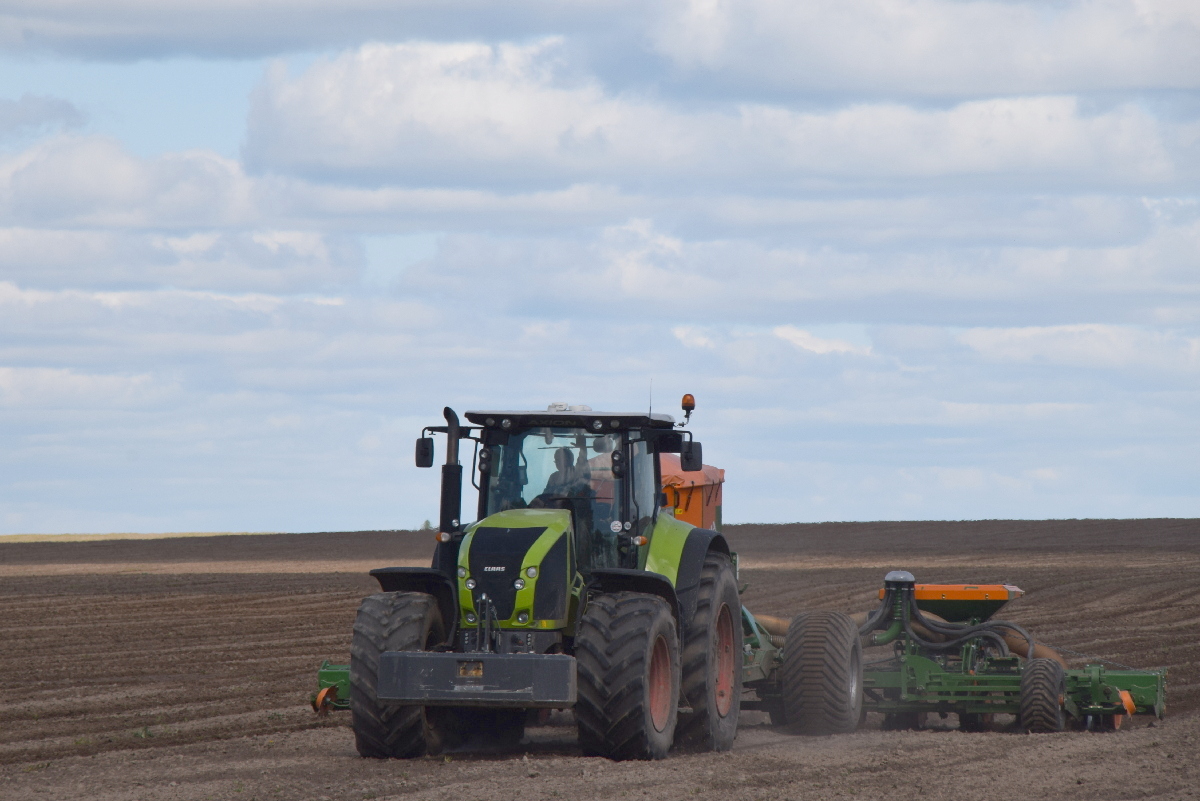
627	660
712	660
1043	685
394	621
821	674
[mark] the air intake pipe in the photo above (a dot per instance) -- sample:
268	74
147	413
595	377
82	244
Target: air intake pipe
445	556
451	477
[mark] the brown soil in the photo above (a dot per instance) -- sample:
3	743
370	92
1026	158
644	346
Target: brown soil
181	668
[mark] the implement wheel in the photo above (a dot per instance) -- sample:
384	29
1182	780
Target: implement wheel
821	674
393	621
1043	686
712	660
627	659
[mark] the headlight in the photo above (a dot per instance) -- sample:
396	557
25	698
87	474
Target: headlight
470	584
462	572
470	617
523	617
519	584
531	572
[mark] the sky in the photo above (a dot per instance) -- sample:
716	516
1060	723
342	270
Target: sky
916	259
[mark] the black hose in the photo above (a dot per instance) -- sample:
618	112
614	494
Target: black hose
963	632
958	633
879	614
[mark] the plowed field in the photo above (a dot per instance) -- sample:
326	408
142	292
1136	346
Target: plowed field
181	668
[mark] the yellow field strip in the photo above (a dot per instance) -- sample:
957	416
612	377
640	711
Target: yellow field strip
6	538
169	568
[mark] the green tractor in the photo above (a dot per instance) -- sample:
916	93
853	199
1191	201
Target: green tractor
575	588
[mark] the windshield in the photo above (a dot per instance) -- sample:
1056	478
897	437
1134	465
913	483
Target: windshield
562	468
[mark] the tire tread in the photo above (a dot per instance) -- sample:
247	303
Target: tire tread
1042	687
611	651
818	655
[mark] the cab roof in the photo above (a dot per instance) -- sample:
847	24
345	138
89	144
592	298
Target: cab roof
609	421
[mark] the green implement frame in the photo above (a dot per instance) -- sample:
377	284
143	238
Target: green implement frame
965	667
335	679
911	682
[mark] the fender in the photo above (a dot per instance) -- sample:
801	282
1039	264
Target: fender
423	579
620	579
691	562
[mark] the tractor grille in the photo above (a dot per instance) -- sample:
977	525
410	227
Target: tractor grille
502	550
550	596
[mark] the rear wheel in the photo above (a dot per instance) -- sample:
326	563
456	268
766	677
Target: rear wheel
627	657
821	674
1043	686
393	621
712	659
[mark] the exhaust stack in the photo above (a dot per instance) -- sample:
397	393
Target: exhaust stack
451	477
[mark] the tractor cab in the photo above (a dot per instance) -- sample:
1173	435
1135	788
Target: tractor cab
602	469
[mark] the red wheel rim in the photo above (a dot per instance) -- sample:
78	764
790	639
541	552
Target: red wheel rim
660	684
725	666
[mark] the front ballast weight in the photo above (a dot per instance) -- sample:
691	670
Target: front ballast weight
950	656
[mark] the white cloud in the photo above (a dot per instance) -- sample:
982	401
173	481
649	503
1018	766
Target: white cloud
464	114
49	388
93	181
691	336
804	340
34	112
1088	345
265	259
127	29
933	47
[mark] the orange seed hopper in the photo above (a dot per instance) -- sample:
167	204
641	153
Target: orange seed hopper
962	602
695	495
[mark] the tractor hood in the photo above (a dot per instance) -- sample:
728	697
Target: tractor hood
517	565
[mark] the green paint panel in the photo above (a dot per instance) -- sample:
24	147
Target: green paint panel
557	523
924	685
666	546
331	675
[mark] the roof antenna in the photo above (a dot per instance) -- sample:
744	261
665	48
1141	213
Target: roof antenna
651	412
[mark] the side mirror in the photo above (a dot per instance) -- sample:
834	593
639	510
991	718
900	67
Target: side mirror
691	457
425	452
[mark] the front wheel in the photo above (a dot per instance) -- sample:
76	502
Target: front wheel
821	674
627	658
392	621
